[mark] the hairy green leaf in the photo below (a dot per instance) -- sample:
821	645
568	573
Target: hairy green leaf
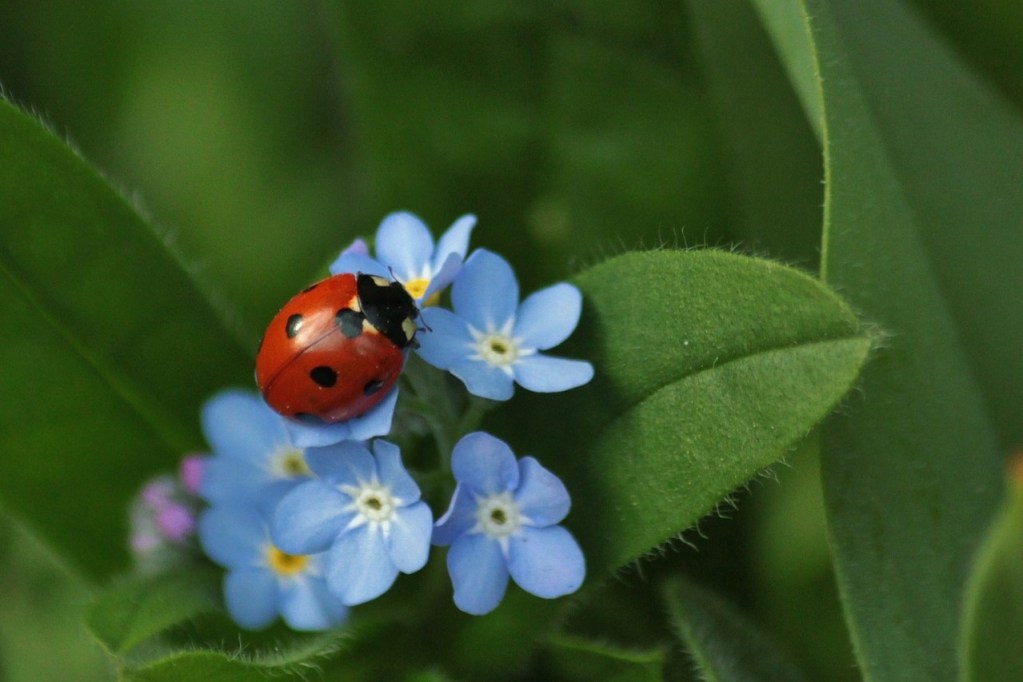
994	601
298	660
709	366
723	644
577	658
795	592
786	22
134	610
772	159
955	147
108	347
918	161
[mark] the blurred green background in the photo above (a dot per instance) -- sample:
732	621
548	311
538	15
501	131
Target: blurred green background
262	137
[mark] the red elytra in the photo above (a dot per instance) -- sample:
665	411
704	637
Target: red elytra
334	351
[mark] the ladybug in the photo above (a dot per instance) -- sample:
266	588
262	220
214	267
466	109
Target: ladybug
334	351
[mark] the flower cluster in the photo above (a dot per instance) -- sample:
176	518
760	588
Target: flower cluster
163	518
254	465
309	519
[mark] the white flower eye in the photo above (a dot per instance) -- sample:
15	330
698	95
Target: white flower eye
376	503
498	516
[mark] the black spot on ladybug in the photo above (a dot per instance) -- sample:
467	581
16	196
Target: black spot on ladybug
293	325
323	375
349	321
306	418
372	387
309	288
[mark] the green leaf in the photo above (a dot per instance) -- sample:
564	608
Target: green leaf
723	644
786	22
133	619
772	159
955	149
918	201
576	658
108	347
136	609
709	366
794	586
293	661
994	600
428	676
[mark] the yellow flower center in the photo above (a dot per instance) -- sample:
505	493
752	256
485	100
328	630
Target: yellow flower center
417	287
285	564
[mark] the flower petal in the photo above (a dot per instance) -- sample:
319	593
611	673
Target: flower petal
358	246
483	380
307	605
549	316
346	463
233	536
454	241
309	518
251	597
404	244
393	474
308	435
443	275
239	425
273	492
546	562
541	496
408	543
335	608
376	422
547	374
358	566
478	573
447	340
458	519
484	464
176	521
485	293
233	482
350	261
191	471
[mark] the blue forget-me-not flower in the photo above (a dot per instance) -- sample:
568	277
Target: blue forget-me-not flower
253	458
491	342
503	521
405	250
364	511
262	581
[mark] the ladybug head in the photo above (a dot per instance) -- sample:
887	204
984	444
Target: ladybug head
389	308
